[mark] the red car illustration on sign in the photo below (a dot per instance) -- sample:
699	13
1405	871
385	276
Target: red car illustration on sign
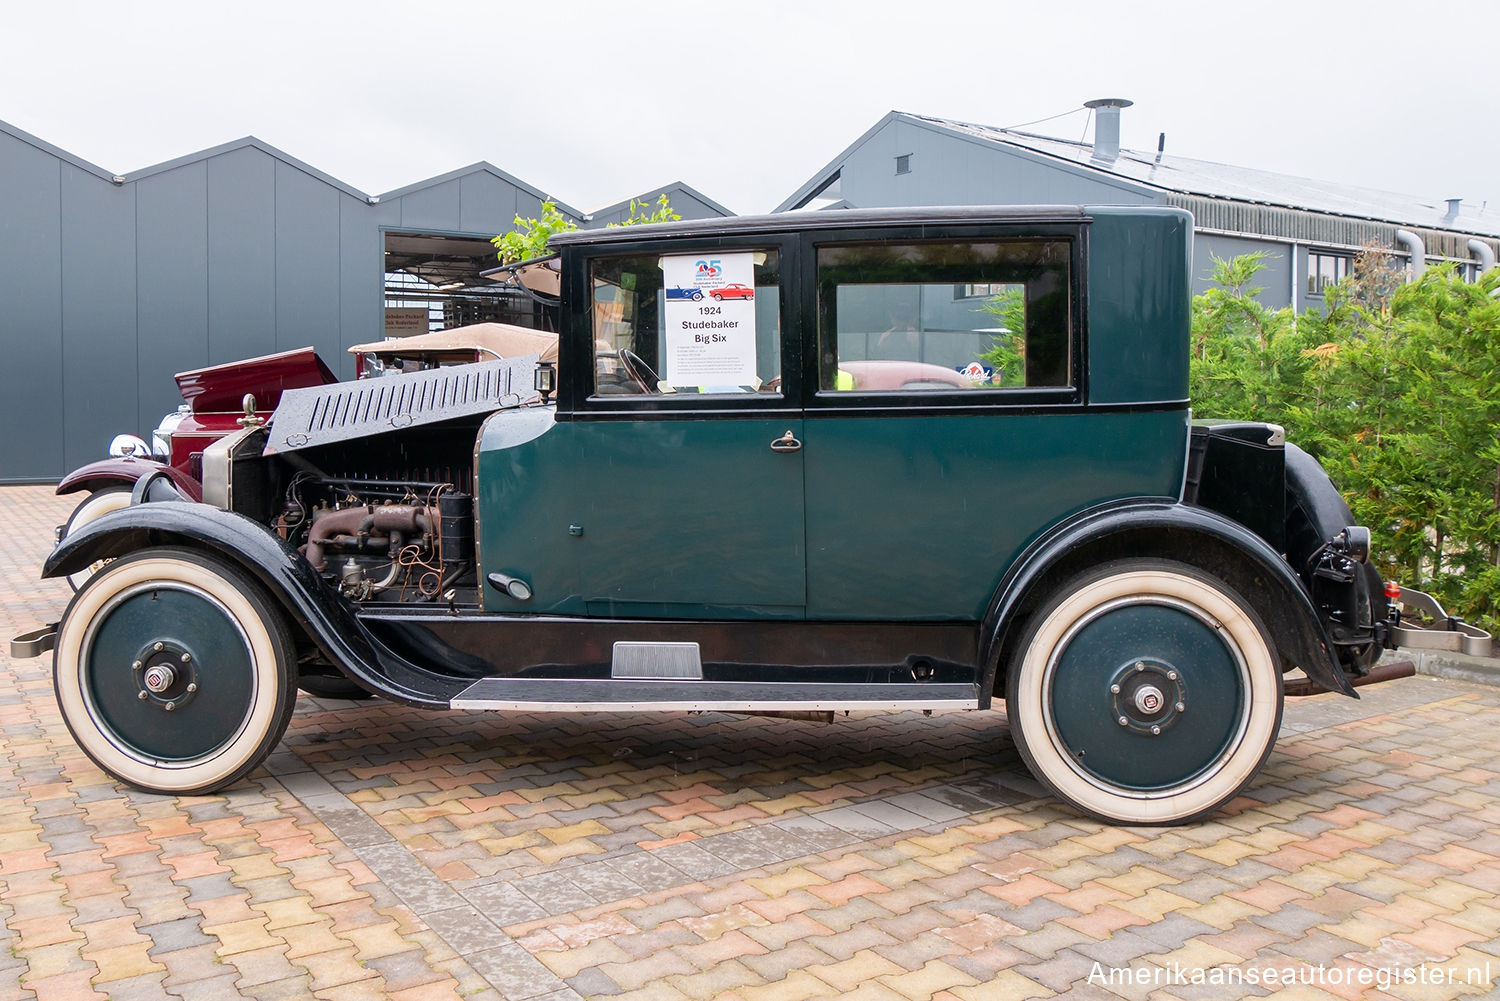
734	290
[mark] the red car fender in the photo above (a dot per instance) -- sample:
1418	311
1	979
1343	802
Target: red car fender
124	472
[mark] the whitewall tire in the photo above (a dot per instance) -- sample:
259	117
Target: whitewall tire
1145	692
174	673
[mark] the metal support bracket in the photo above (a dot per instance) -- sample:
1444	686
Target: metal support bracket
1442	631
34	643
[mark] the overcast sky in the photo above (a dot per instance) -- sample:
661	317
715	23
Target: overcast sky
593	102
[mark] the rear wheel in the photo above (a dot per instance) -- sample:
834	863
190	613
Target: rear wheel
1145	692
91	508
174	672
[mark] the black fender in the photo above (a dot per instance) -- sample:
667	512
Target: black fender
285	574
1163	528
1315	513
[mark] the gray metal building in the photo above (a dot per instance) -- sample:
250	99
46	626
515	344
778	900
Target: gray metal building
1312	230
110	284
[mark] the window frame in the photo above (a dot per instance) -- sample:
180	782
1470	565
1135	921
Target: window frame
576	397
1313	254
817	399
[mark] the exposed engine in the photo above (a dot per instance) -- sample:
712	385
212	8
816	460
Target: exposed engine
370	480
382	540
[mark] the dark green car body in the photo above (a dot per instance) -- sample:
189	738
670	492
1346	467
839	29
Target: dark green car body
921	459
898	507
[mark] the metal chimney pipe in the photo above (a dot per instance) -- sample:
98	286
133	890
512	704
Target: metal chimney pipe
1107	126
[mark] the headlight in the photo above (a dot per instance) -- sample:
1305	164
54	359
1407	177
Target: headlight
128	446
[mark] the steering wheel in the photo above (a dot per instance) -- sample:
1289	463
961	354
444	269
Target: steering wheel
640	373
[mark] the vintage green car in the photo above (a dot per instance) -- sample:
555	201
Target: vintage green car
707	505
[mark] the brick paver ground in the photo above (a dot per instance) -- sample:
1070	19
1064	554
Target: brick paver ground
389	852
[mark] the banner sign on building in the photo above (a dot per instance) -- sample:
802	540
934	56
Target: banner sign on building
404	321
710	320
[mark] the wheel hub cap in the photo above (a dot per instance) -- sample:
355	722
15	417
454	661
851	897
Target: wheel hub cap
159	678
166	675
1149	696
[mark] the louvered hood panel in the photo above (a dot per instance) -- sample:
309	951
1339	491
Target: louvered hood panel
325	414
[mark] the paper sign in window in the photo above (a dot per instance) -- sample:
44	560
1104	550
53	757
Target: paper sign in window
710	319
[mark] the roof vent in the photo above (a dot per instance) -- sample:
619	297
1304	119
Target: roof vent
1107	127
1453	204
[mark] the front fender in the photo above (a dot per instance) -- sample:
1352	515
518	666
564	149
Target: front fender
120	471
310	605
1183	532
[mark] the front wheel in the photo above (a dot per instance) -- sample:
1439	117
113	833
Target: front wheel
1145	692
174	673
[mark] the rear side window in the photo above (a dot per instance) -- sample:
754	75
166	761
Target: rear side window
945	316
697	323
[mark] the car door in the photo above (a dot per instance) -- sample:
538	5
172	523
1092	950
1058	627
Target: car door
947	426
690	442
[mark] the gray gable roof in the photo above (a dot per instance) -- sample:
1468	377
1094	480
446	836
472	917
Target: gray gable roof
1206	179
483	167
51	150
251	142
649	198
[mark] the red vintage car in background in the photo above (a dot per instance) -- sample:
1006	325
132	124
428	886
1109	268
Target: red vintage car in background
221	399
218	399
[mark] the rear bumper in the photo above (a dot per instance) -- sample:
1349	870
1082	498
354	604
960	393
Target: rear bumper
1418	622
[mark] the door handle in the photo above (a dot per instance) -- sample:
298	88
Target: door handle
786	443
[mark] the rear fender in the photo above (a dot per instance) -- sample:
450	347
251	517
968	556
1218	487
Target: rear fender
312	607
1169	530
124	472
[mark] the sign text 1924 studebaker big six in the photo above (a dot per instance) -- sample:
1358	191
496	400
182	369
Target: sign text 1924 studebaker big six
777	502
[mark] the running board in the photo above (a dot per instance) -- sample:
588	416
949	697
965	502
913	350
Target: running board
635	695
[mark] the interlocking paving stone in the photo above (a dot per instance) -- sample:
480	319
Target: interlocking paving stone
555	893
465	929
694	861
516	973
385	851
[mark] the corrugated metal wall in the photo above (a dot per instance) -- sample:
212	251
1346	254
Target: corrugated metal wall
108	289
1316	228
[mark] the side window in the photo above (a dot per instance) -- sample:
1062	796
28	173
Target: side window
695	323
944	316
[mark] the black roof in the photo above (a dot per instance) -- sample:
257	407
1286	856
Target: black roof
797	222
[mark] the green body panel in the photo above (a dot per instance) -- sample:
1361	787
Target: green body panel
907	517
1139	303
673	518
917	517
904	512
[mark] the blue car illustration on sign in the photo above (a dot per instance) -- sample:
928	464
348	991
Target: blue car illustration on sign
681	294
